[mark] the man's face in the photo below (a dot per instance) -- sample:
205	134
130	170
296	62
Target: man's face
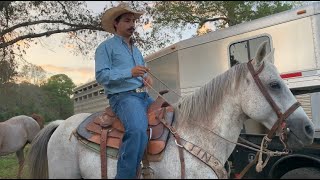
126	25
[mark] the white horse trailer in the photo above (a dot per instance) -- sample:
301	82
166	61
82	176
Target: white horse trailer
295	36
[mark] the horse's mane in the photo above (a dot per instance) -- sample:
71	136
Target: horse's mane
205	100
39	119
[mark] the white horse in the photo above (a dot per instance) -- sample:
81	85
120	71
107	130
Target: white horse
221	106
16	132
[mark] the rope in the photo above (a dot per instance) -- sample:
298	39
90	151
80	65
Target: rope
164	84
260	164
258	149
156	92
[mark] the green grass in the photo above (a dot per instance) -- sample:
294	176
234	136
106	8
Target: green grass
9	166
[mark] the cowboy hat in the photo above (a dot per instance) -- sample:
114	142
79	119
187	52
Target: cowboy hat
111	14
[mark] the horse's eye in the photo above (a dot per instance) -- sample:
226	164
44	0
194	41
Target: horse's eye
275	85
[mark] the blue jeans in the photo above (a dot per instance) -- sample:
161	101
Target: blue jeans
131	108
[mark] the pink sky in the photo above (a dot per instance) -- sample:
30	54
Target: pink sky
58	60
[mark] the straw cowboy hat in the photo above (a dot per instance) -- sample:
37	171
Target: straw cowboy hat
111	14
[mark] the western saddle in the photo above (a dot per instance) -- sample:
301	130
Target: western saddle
106	130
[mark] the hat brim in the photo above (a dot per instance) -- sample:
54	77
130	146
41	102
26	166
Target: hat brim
111	14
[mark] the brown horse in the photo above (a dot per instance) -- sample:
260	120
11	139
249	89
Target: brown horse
16	133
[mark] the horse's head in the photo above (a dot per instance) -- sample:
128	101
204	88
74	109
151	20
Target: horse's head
297	129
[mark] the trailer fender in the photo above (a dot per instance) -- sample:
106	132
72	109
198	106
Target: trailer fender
290	162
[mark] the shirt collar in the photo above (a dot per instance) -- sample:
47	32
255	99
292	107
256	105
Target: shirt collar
121	39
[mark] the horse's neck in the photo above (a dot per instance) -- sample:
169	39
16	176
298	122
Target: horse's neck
227	123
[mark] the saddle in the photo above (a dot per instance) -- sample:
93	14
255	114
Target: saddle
106	130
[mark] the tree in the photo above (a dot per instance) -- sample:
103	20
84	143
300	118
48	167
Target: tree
7	66
179	14
59	89
33	74
24	23
60	85
20	26
24	99
21	22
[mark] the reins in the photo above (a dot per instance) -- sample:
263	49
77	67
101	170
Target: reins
262	149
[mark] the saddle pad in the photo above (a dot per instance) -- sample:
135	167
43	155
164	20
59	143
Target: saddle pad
90	131
113	152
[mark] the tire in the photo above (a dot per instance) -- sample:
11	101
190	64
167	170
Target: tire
302	173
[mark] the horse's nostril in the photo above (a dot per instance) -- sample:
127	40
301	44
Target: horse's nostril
309	129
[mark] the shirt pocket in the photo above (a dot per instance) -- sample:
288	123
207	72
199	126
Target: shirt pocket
121	59
138	58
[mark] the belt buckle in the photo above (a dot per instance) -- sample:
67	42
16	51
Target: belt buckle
139	90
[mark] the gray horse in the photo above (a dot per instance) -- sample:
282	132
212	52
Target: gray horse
218	109
16	132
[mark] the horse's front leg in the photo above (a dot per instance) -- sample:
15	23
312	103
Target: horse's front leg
20	156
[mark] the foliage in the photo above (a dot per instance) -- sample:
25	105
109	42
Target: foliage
24	98
60	85
59	89
24	23
51	100
8	66
179	14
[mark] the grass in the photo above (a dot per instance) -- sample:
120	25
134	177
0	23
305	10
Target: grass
9	166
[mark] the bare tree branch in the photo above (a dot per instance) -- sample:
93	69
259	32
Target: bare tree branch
48	33
65	10
45	46
47	21
213	19
79	38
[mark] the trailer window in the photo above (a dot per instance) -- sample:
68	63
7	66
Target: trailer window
243	51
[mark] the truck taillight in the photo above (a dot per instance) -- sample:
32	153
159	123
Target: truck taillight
291	75
301	12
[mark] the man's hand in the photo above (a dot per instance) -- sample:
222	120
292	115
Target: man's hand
139	71
147	81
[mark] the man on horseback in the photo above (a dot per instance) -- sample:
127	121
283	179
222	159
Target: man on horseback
121	70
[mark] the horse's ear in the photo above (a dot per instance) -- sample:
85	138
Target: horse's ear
270	57
260	55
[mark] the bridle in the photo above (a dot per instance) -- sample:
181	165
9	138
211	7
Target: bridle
281	122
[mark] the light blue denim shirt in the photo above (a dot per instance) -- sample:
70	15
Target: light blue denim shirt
113	64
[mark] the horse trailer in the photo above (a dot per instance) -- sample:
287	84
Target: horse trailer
295	36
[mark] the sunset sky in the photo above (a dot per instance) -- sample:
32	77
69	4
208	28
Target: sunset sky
57	60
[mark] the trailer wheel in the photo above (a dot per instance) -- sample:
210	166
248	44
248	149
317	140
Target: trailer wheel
302	173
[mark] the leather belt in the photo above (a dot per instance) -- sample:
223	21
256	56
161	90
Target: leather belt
138	90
